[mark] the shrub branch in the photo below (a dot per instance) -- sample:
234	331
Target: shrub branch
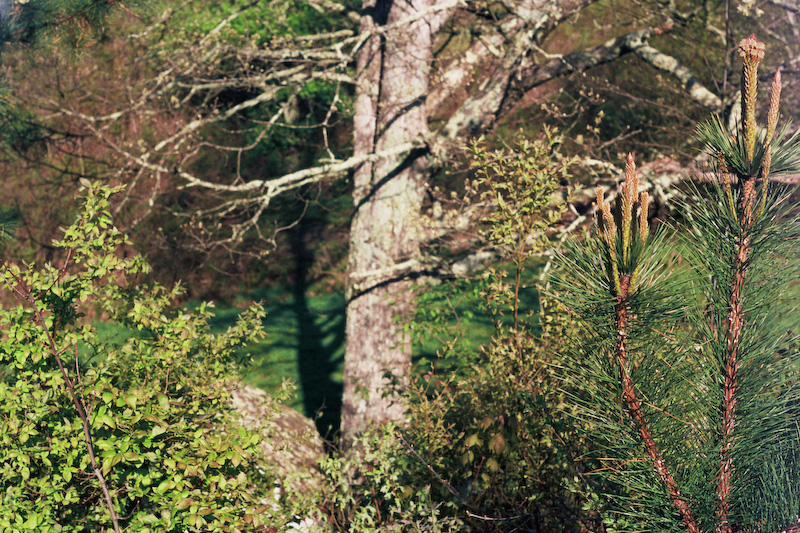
23	292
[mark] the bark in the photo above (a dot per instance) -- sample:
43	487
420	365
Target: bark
390	109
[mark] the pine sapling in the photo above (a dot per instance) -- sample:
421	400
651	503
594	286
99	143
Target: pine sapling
697	378
625	246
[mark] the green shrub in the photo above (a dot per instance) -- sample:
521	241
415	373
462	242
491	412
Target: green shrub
487	429
494	440
375	487
157	405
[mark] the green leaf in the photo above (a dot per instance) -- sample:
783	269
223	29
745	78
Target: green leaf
163	402
131	400
183	504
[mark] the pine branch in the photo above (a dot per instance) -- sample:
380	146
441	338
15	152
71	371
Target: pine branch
714	412
731	369
635	410
621	241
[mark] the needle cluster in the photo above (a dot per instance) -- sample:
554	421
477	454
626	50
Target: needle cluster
625	243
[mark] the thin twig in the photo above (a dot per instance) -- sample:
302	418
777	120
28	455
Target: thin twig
435	474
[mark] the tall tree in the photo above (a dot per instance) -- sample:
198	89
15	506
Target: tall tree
422	75
393	91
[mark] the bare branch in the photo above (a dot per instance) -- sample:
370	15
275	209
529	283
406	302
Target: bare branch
495	95
531	21
682	73
312	175
273	186
785	5
336	7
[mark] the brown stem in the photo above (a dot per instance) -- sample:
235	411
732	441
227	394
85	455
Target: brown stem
731	369
635	410
22	291
517	282
735	322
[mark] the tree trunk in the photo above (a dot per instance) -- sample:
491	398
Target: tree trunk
393	76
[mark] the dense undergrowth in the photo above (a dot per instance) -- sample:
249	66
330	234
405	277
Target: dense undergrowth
135	435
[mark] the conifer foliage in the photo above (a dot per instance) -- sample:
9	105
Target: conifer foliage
687	381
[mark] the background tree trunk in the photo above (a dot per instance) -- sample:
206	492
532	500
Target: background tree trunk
393	77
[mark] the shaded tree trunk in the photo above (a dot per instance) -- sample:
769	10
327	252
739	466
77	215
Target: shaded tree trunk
393	76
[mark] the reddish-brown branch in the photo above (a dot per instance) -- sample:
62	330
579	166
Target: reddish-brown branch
635	410
735	322
732	362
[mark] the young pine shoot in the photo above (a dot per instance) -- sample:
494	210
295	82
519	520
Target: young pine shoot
689	388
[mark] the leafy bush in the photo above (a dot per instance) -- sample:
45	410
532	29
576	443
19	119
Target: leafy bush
494	440
375	487
486	427
156	405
